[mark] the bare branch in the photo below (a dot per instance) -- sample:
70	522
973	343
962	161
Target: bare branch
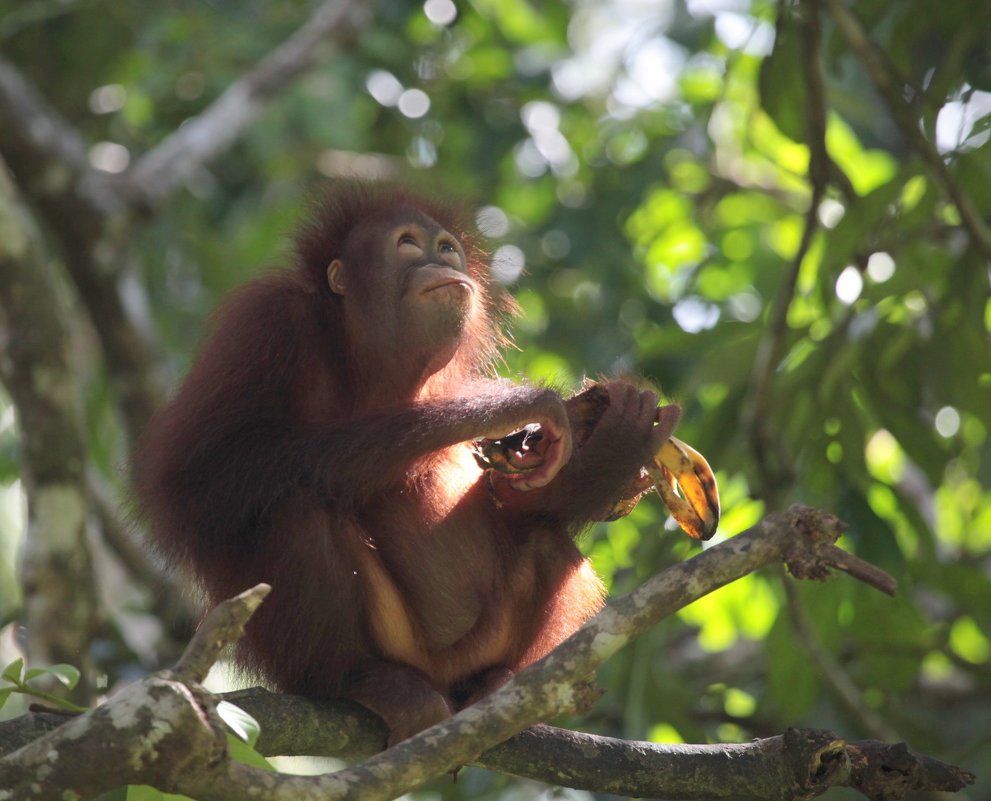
152	732
83	209
90	211
803	763
168	601
298	726
223	626
295	725
160	172
860	570
36	136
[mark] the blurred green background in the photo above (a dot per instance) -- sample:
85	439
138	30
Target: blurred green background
643	172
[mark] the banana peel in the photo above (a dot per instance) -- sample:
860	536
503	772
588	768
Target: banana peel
678	472
678	466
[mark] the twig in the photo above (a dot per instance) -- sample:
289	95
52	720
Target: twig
160	172
769	455
224	625
168	601
803	564
860	570
886	80
840	685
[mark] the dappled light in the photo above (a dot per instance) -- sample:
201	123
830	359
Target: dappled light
779	213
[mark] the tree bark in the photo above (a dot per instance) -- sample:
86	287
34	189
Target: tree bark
60	604
165	730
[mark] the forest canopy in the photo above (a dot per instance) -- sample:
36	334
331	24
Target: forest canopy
777	211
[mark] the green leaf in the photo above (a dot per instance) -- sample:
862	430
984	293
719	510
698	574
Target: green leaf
142	792
243	752
782	85
792	687
13	671
4	695
863	216
977	67
117	794
68	675
239	721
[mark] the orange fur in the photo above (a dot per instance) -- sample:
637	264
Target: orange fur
293	455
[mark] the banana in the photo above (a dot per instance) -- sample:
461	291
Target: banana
678	466
679	473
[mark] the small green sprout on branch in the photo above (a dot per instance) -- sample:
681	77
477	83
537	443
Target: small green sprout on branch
18	680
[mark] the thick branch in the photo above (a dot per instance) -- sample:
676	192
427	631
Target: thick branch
87	210
160	172
803	763
771	768
195	762
161	730
39	141
60	604
83	209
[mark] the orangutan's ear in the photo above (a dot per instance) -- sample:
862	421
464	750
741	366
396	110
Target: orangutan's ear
335	276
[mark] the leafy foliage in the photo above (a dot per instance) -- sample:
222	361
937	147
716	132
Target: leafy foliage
651	165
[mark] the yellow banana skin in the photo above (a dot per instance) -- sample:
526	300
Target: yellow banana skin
696	509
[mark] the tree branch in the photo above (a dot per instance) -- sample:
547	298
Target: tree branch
169	602
771	461
802	763
84	210
39	141
160	172
60	605
186	753
292	725
223	626
834	677
887	83
90	211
